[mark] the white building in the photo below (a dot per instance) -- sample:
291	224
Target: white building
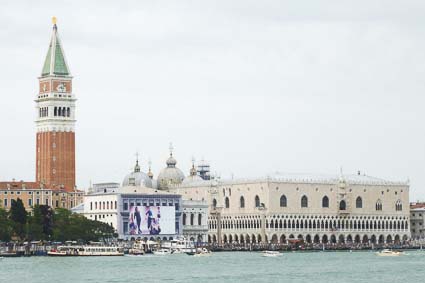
313	208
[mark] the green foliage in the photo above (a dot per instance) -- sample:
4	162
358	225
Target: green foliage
18	215
6	230
75	227
39	226
45	224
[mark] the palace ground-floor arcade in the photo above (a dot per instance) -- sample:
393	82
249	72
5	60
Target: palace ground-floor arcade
311	238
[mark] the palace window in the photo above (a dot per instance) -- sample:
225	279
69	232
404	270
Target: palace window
199	219
242	202
359	202
304	201
378	205
257	201
214	203
398	205
325	201
342	205
192	216
283	201
184	218
227	201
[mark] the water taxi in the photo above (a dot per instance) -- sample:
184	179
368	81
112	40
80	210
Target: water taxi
86	251
387	252
271	253
200	252
181	245
138	248
162	252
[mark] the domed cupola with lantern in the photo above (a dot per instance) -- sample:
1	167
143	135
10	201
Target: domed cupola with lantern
193	177
171	175
137	178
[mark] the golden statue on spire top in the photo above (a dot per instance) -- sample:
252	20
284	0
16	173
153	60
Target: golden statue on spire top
54	20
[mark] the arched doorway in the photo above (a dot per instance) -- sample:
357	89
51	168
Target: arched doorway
349	239
373	239
242	240
214	239
308	239
225	239
357	239
381	239
316	239
397	239
325	239
341	239
333	239
283	239
230	239
259	239
253	239
274	239
236	239
389	239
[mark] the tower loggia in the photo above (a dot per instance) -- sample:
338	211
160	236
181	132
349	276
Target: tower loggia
55	122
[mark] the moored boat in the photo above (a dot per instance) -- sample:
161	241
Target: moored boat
86	251
200	252
271	253
388	252
162	252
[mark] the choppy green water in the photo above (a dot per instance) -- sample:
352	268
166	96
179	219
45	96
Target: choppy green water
220	267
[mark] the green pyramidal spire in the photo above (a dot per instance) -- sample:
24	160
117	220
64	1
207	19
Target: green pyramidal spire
55	63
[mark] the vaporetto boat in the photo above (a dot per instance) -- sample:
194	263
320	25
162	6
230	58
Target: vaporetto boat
86	251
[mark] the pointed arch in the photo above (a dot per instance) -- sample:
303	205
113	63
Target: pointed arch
398	205
283	201
257	201
342	205
378	205
325	201
304	201
242	202
359	202
227	202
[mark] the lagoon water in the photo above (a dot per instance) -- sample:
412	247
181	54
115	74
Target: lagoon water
314	267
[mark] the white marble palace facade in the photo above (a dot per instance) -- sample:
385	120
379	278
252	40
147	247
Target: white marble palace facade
316	209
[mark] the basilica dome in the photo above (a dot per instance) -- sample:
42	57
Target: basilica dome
193	177
137	178
171	175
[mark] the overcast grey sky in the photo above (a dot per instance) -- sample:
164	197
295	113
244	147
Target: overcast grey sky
252	86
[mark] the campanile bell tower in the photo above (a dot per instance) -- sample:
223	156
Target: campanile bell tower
55	122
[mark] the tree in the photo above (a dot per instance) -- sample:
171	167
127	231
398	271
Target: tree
35	225
18	215
75	227
5	226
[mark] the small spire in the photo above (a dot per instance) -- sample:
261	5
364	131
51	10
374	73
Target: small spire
54	20
137	167
171	148
193	169
150	174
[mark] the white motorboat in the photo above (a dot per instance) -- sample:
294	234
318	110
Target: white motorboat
138	248
162	252
271	253
388	252
86	251
181	244
200	252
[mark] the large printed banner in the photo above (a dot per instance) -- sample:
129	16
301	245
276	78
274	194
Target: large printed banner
152	220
